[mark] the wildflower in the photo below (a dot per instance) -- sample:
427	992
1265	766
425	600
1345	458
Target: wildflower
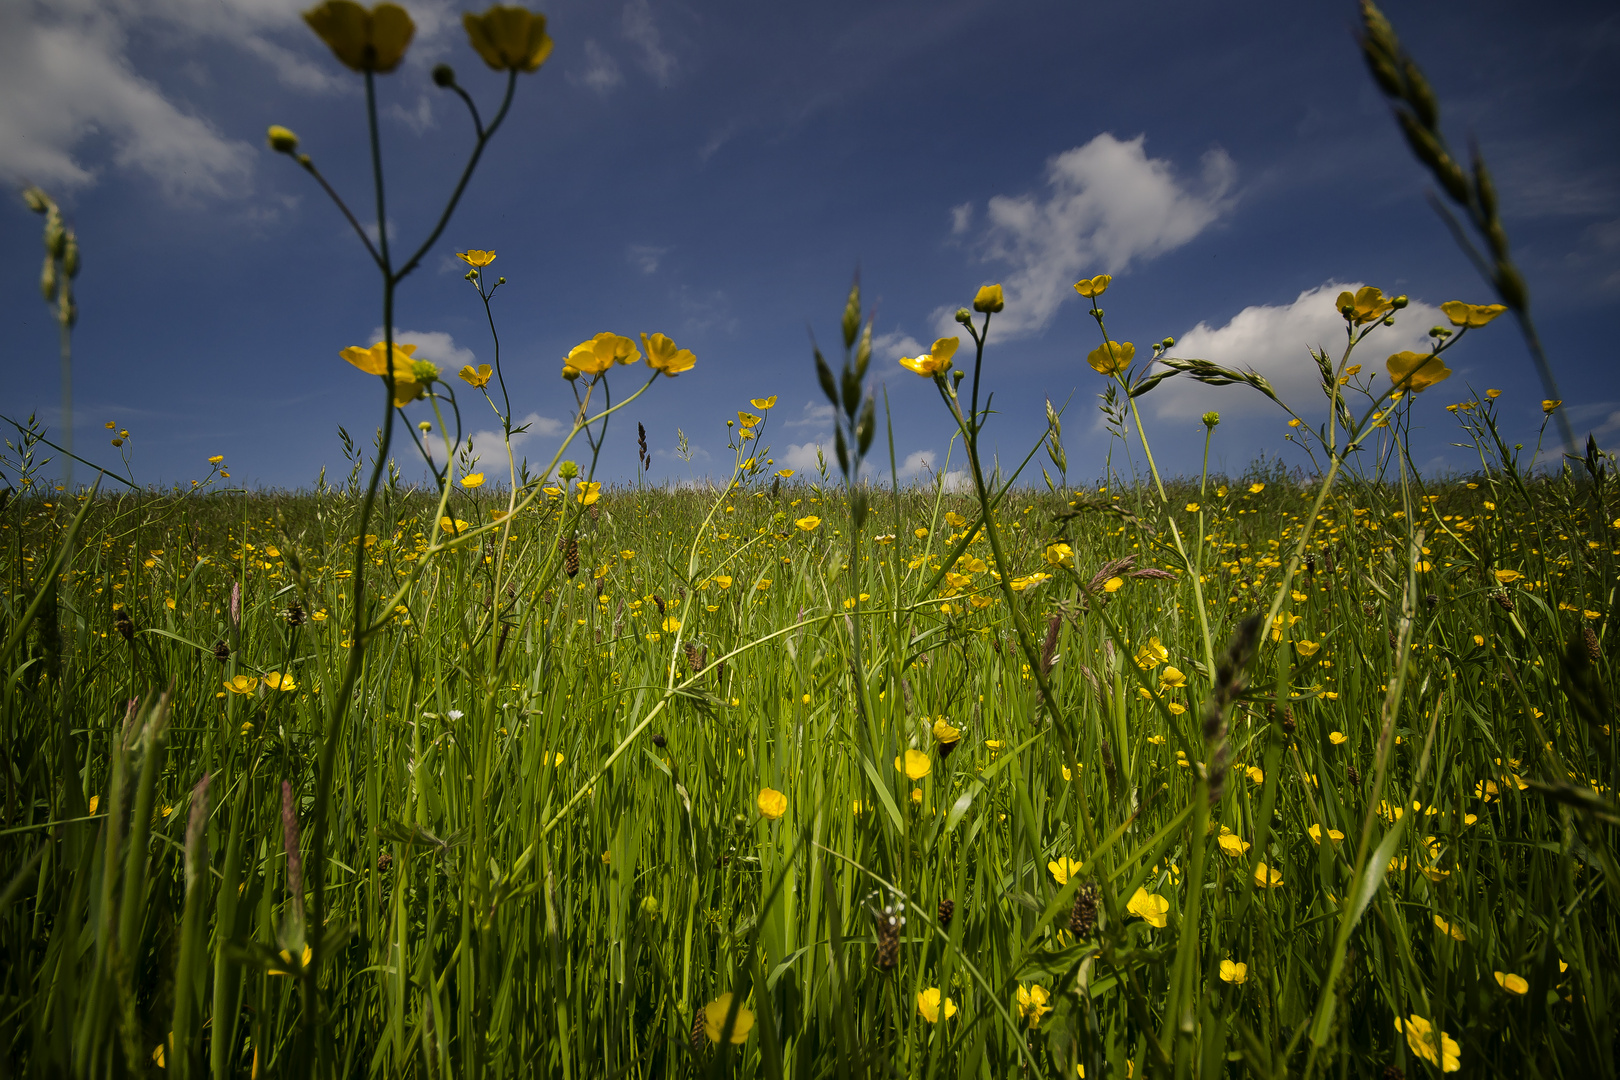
714	1020
216	459
722	580
1151	655
1233	844
1416	371
1091	288
1513	984
1420	1039
472	480
764	404
1022	583
928	1002
241	684
945	734
1113	584
1507	577
988	299
808	524
275	680
1471	315
587	492
748	420
1267	878
474	257
772	803
1338	738
476	376
671	625
1550	406
914	763
363	40
1367	305
1255	775
1059	555
1455	931
1315	832
1031	1000
1256	488
1111	357
1234	973
1063	869
1152	907
373	361
1172	679
784	473
508	38
597	355
936	361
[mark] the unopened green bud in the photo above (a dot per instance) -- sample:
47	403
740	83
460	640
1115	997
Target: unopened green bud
1211	419
568	470
957	375
444	76
424	371
1399	302
305	160
281	140
964	316
649	906
500	281
1168	343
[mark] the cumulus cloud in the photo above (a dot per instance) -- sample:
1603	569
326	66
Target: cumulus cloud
894	345
806	457
490	451
434	345
1106	205
638	26
1276	340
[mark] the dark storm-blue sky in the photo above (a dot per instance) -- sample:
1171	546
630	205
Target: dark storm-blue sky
717	171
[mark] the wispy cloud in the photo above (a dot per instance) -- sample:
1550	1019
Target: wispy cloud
645	257
639	27
1106	205
813	415
601	72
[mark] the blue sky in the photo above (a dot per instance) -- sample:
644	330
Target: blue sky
717	171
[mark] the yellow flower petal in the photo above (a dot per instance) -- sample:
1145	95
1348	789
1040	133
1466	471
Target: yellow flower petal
509	38
361	39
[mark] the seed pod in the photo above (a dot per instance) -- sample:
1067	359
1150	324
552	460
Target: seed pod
1590	640
1083	916
888	938
571	558
659	741
1354	776
1288	724
659	601
1503	600
947	908
696	656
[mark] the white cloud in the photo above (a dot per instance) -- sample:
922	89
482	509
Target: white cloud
894	344
67	78
1276	340
645	257
1107	205
916	463
639	27
601	72
802	457
813	415
434	345
961	218
490	450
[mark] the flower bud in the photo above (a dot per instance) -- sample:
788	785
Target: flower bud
568	470
444	76
964	316
305	160
570	373
281	140
1399	302
958	375
500	281
1168	343
1211	419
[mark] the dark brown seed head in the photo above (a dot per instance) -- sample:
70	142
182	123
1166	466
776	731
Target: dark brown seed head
385	861
1354	776
889	922
125	625
659	741
659	600
1369	610
1590	640
571	558
1503	600
696	656
1083	916
1393	1072
947	908
1288	724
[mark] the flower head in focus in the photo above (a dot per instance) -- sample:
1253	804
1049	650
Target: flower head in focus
362	39
509	38
1367	304
1173	678
663	355
587	491
1111	357
595	356
989	299
1059	555
928	1003
1063	869
472	480
1152	654
945	733
808	524
772	803
763	404
1550	406
914	763
1462	313
1416	371
1151	907
1032	1003
1093	287
476	376
1420	1039
936	361
408	383
1234	973
474	257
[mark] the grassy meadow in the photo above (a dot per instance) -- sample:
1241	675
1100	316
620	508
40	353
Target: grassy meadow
520	772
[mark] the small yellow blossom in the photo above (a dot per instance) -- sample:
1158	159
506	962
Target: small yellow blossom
1234	973
472	480
714	1020
936	361
361	39
475	257
1032	1002
772	803
1420	1039
1513	984
1416	371
928	1003
1091	288
1266	877
1111	357
476	376
1063	869
508	38
1151	907
914	763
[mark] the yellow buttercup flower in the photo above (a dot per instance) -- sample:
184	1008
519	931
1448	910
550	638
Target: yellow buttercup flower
1416	371
1151	655
1232	844
1420	1039
1093	287
1549	406
1315	832
597	355
1059	555
472	480
1256	488
407	384
748	420
1032	1003
363	40
1234	973
1151	907
1506	577
281	140
928	1002
989	299
1267	878
772	803
275	680
1338	738
809	523
714	1020
474	257
241	684
1172	678
763	404
1367	305
1307	648
936	361
914	763
1111	357
1470	315
944	733
1063	869
1513	984
663	355
1113	584
587	491
509	38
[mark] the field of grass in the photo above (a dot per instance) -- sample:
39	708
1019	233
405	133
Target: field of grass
554	836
